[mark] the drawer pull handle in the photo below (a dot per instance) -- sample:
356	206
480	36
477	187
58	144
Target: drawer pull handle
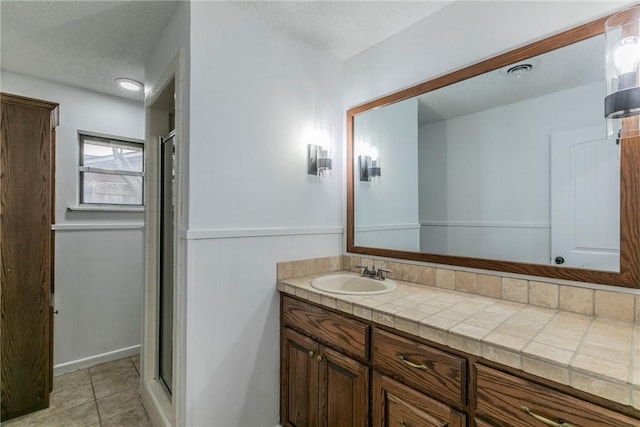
402	423
310	353
412	365
544	420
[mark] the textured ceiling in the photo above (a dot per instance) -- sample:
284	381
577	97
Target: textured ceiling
342	28
90	43
82	43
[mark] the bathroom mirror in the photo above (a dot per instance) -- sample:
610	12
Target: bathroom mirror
503	165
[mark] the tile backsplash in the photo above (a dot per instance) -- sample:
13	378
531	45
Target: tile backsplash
611	304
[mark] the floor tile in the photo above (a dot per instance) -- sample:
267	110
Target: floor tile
118	403
73	402
106	385
78	416
114	368
136	417
70	396
72	379
23	421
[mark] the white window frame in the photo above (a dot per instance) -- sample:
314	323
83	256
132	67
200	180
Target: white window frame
119	140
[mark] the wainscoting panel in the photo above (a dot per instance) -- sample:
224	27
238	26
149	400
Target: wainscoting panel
98	284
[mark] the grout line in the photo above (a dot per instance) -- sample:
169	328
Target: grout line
134	365
95	400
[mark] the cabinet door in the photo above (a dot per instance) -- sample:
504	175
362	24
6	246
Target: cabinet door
344	391
299	380
395	404
27	155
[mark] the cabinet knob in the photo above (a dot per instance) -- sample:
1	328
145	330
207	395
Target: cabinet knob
319	358
310	353
402	423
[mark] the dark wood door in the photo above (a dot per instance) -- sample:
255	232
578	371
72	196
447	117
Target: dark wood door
397	405
344	386
299	382
26	253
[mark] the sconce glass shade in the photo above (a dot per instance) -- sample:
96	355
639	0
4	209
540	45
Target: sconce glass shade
324	162
319	158
622	103
369	160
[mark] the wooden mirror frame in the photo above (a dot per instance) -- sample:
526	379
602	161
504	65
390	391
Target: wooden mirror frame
629	275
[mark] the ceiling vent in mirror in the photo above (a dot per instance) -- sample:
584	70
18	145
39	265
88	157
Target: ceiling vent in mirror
520	69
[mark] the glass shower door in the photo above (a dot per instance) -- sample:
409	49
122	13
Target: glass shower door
167	204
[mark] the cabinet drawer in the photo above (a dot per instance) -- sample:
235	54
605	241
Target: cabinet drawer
505	398
422	367
395	404
332	329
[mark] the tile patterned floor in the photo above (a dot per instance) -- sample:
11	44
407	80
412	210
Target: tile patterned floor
101	396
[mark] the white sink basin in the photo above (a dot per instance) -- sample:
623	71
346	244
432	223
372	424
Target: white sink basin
352	284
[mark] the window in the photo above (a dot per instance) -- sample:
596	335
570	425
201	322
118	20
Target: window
111	170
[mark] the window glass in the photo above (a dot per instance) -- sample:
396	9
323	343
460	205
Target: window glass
111	171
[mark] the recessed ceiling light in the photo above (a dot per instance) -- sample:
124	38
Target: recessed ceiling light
129	84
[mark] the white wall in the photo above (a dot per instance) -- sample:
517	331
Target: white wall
256	95
485	185
386	212
98	265
460	34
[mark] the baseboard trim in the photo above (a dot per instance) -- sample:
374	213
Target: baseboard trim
97	227
87	362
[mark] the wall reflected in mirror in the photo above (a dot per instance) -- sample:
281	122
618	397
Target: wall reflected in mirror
510	165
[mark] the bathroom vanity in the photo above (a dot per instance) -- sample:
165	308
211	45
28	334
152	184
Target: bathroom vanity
537	336
356	361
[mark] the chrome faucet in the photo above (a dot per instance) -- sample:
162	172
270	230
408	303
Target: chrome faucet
379	274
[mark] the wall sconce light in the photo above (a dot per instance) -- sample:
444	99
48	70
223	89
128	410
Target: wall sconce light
622	34
319	161
369	160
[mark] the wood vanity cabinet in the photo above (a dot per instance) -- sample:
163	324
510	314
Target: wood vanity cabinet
321	386
329	358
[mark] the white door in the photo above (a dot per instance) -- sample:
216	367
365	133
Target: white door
585	199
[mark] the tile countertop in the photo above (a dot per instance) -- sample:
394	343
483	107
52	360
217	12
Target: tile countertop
596	355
